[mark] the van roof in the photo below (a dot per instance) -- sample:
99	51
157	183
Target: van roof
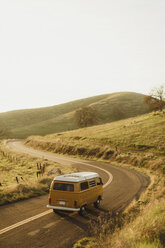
76	177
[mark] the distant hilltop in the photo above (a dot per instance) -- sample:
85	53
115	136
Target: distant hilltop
59	118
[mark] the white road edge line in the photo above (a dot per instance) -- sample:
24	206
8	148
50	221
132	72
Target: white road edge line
50	211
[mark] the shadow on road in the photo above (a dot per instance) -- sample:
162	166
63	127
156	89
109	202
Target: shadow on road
83	222
80	221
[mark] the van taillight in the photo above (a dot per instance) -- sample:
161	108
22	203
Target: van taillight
75	203
49	201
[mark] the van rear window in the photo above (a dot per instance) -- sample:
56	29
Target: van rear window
63	187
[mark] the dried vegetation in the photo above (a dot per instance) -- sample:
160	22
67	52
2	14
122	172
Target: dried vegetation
23	176
136	143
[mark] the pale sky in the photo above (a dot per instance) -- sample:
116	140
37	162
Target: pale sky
56	51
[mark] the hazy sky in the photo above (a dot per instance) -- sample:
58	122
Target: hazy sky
55	51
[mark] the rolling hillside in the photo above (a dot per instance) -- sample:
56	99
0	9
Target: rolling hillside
137	142
145	133
42	121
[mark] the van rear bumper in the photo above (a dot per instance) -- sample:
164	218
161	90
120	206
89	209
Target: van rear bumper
63	208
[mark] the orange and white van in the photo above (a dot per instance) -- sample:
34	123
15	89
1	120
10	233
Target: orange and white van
73	192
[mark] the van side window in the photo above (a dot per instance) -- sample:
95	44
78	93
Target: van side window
63	187
92	183
99	181
84	186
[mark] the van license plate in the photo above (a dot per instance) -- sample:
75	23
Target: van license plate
62	203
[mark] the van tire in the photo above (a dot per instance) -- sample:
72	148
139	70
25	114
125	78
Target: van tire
97	203
82	210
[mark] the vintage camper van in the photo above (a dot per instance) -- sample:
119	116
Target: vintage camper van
73	192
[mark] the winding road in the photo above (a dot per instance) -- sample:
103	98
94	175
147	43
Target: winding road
29	224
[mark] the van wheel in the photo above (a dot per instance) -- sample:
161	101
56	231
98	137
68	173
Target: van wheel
82	211
97	203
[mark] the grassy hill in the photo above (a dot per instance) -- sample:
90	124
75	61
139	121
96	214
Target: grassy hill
137	142
42	121
145	133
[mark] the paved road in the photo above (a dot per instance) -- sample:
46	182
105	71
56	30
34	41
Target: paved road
29	224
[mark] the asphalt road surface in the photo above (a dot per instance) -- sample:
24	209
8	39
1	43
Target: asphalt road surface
29	224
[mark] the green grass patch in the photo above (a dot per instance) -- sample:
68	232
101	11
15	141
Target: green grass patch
86	242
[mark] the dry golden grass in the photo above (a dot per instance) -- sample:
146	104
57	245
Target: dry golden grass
25	168
141	225
138	141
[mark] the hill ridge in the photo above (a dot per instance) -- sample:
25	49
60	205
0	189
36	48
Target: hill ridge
58	118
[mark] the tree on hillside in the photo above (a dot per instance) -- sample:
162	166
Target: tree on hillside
156	99
85	116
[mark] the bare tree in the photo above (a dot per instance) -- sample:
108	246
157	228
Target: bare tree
85	116
156	99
